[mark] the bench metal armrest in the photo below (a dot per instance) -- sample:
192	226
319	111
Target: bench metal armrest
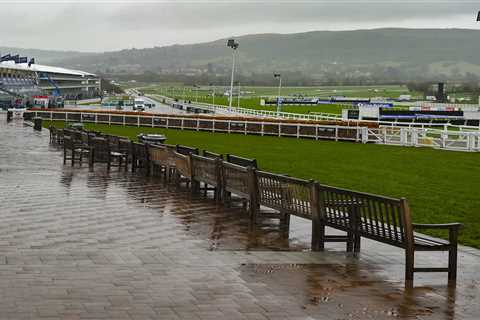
451	226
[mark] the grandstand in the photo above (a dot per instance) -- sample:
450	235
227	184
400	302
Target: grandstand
56	81
17	85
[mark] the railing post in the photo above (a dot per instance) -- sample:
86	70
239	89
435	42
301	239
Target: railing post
364	134
443	138
414	133
403	136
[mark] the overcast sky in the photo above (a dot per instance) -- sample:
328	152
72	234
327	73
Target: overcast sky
112	25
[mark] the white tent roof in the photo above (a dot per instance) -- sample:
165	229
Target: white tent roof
44	68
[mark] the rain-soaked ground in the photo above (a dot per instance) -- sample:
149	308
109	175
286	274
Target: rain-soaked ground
76	244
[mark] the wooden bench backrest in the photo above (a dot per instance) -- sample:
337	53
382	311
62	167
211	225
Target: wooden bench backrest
286	194
185	150
162	155
139	150
238	180
244	162
101	148
183	165
379	218
212	155
206	170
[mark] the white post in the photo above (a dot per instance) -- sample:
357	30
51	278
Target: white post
403	136
364	134
414	137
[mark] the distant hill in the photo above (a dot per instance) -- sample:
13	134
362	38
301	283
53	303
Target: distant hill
389	53
45	56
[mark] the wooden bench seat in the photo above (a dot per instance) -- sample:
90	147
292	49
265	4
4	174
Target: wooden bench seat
382	219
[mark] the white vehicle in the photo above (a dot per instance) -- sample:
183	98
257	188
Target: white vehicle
139	104
17	113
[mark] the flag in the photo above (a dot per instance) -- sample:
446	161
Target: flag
5	57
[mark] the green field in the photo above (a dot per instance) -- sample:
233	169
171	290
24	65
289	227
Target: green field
441	186
388	91
254	103
251	96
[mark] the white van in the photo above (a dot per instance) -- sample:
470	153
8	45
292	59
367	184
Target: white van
139	104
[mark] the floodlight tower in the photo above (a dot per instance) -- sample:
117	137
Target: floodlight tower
234	45
279	77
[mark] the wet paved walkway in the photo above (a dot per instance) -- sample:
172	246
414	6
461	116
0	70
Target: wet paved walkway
76	244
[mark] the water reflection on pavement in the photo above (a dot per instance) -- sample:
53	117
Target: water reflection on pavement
76	244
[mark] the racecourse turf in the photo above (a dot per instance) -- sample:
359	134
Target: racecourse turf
441	186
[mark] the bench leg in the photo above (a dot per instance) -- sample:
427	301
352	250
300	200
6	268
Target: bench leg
350	241
285	221
195	187
409	266
357	243
452	263
318	235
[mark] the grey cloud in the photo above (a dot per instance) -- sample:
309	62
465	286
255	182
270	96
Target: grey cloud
113	25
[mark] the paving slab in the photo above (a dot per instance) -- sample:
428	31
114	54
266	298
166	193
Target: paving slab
80	244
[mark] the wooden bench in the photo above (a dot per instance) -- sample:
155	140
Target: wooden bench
162	160
287	195
183	169
382	219
207	171
242	182
75	151
140	157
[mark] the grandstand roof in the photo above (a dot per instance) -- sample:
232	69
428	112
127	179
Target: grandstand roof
43	68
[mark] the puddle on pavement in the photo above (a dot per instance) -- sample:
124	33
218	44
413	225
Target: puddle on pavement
350	291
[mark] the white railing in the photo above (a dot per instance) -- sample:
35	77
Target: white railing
254	112
316	116
389	135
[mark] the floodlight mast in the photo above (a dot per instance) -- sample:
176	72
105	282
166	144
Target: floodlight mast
234	45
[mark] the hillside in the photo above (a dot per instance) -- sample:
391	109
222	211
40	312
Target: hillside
45	56
382	53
